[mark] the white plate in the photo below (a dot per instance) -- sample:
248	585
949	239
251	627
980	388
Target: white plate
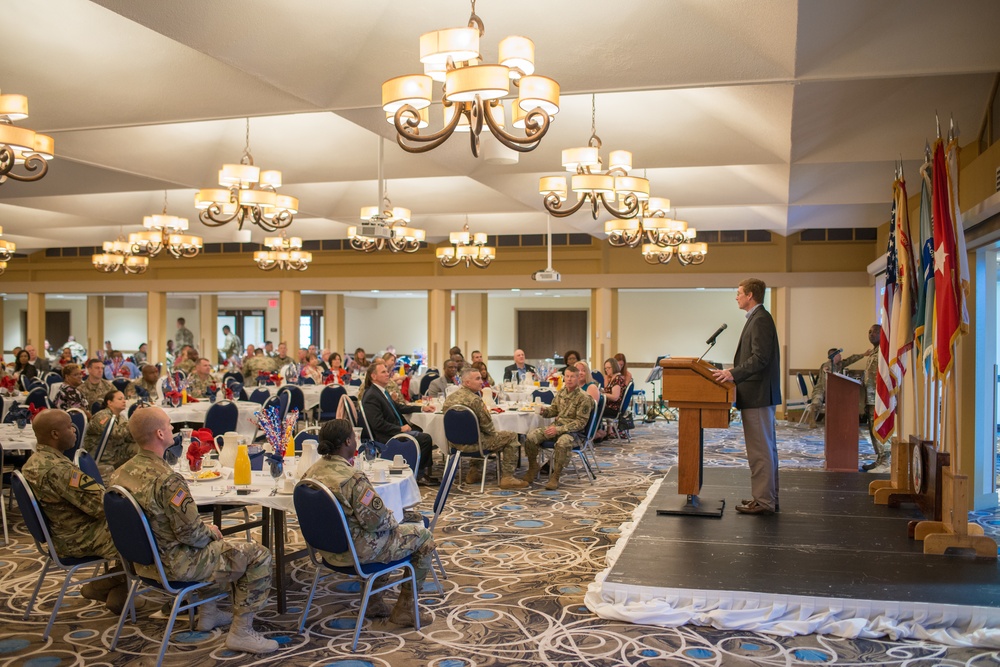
215	477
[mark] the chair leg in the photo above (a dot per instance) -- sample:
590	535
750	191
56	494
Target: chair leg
3	510
361	611
416	600
246	519
59	598
305	607
38	587
437	559
482	482
170	627
133	586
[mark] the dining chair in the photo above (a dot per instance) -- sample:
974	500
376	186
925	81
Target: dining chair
589	430
222	417
324	528
329	400
85	462
136	544
461	427
105	436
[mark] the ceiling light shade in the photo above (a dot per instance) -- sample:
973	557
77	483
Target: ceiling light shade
7	249
584	157
458	44
162	221
657	206
518	55
20	147
626	185
459	238
410	90
553	184
496	153
241	175
600	184
466	248
620	160
471	89
118	256
282	253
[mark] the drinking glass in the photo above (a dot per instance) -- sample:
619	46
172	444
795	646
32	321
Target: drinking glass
277	469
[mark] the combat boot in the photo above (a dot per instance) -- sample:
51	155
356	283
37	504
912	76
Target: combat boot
402	613
511	482
474	475
553	482
242	636
377	606
211	617
98	590
531	474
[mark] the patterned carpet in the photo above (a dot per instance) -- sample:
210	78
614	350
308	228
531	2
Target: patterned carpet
518	564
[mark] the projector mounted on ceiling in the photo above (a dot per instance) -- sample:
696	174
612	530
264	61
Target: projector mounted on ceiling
374	230
548	274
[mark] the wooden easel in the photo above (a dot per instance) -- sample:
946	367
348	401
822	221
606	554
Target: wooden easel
900	481
954	530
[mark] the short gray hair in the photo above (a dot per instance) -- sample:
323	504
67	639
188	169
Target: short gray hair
467	371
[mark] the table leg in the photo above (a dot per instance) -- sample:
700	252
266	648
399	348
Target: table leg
280	584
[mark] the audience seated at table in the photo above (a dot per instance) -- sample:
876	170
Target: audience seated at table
190	549
95	387
23	366
186	359
359	362
589	385
439	385
258	363
571	409
394	388
623	364
614	390
120	447
484	373
41	364
311	370
491	439
378	537
201	379
336	364
281	359
149	383
518	371
69	395
73	503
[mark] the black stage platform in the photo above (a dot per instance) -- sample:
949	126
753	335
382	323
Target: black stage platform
830	550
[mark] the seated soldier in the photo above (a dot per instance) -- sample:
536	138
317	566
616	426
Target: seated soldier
571	408
200	379
378	538
73	502
492	440
120	446
191	550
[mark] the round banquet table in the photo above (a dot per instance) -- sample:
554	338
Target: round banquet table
13	438
513	419
195	413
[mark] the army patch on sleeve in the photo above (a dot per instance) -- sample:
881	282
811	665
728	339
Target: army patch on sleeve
377	503
178	498
366	499
74	479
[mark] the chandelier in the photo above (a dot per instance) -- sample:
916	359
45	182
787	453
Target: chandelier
249	194
282	253
591	184
650	226
20	146
468	248
7	249
687	253
472	91
165	232
385	226
118	256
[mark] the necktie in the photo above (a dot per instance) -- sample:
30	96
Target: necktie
389	398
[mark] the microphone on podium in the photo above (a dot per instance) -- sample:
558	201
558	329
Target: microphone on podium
711	339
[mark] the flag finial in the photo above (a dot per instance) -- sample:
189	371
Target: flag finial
927	151
937	123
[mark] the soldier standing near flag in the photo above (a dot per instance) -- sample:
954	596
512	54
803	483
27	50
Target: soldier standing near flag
871	374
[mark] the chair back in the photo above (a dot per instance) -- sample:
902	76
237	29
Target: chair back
322	521
308	433
405	445
626	403
85	462
105	436
121	384
450	468
260	395
461	427
284	400
79	419
802	385
354	382
426	380
350	411
546	396
33	514
307	380
596	414
329	398
222	417
235	375
38	397
296	399
272	402
368	433
52	378
239	393
598	377
131	533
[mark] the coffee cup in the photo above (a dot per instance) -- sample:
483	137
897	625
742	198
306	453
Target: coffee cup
288	486
380	474
398	461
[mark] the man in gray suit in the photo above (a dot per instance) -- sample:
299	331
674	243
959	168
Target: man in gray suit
757	373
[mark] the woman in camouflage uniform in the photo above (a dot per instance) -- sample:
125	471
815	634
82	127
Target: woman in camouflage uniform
121	447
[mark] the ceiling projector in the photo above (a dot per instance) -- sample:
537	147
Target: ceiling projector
546	276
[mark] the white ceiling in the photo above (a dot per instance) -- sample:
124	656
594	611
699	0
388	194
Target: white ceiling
777	115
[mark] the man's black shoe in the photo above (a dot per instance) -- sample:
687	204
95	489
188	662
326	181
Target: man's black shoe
868	466
753	508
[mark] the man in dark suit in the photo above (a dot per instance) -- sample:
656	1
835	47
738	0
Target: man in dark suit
518	370
757	374
385	417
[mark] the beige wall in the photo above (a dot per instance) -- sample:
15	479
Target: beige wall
825	317
376	323
502	325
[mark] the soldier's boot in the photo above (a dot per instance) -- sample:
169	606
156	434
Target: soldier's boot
402	613
115	601
377	606
474	475
511	482
211	617
553	482
242	636
531	474
98	590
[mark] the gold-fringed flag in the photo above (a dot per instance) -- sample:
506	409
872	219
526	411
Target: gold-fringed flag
904	301
885	394
961	254
947	317
923	320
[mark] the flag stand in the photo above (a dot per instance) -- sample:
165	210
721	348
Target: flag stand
954	530
901	479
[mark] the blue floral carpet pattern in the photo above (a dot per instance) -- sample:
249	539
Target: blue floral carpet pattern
518	564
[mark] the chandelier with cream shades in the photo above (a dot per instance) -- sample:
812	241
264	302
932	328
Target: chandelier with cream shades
618	193
385	226
165	232
282	253
468	248
7	249
473	91
248	194
118	256
19	146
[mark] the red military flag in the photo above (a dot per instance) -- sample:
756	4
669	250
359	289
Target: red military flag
946	280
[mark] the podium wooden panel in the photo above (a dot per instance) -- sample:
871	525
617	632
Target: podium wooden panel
841	423
703	403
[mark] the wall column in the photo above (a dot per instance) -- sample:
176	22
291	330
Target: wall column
333	322
208	318
780	307
290	310
36	321
156	326
438	326
471	323
604	326
95	325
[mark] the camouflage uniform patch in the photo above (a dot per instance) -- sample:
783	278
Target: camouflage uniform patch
571	410
492	440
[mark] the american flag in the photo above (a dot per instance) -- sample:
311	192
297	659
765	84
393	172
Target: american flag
885	399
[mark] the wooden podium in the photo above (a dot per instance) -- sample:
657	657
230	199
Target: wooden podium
840	441
703	403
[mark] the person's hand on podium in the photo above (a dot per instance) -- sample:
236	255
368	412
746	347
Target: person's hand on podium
723	376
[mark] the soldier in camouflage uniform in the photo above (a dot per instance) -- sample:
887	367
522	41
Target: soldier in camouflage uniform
259	363
186	360
834	364
120	447
183	335
491	439
571	407
149	382
189	549
200	380
871	376
73	502
376	534
95	387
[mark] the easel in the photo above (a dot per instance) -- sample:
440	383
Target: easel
657	406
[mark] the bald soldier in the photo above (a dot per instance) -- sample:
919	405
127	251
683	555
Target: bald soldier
190	549
73	502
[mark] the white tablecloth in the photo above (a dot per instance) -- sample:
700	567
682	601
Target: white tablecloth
310	392
11	437
8	401
432	423
195	413
398	492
